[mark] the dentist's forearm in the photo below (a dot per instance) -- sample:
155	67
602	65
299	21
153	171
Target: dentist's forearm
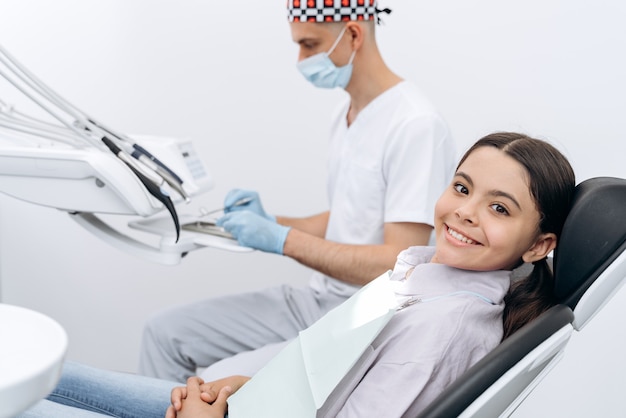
314	225
355	264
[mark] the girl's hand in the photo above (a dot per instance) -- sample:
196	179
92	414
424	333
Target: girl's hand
191	404
208	392
178	394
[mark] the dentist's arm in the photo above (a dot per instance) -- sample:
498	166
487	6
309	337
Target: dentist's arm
312	225
303	240
356	264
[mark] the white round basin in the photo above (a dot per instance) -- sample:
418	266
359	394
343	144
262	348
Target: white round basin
32	349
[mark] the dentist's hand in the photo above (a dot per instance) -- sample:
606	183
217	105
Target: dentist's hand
253	230
254	204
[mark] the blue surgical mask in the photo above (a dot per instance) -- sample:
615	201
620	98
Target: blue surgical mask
322	72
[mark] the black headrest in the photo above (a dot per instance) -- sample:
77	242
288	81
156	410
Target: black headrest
593	236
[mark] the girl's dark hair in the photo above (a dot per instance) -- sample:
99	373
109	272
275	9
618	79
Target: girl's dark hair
551	182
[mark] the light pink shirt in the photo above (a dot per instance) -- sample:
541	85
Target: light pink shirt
428	344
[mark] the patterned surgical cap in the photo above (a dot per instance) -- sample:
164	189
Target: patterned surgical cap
330	10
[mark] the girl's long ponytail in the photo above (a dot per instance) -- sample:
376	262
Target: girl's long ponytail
528	297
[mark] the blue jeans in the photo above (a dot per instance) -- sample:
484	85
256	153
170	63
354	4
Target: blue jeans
87	392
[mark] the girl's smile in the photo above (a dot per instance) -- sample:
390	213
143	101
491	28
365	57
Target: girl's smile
458	238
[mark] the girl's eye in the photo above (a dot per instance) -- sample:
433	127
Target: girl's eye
499	208
460	188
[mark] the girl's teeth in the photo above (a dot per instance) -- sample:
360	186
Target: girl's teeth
460	237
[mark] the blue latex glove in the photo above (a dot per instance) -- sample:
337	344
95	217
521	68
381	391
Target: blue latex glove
254	205
253	230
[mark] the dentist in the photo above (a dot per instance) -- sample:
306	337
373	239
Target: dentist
390	157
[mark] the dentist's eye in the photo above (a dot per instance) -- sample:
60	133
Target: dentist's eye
460	188
500	209
308	44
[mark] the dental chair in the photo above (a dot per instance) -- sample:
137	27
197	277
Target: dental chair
589	268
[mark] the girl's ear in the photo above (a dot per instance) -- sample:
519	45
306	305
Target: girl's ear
541	248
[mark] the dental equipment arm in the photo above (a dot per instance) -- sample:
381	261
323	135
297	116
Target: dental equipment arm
74	163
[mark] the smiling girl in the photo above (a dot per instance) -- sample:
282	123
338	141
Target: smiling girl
505	206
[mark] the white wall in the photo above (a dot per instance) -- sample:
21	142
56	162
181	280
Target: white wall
224	76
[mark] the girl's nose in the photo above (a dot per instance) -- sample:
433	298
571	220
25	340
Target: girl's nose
466	213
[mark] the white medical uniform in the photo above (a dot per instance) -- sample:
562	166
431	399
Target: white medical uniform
390	165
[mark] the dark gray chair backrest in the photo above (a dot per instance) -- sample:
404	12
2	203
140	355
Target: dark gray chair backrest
594	235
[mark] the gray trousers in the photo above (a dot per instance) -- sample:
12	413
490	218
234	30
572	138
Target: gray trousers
254	326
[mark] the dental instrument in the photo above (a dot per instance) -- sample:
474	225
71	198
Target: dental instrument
240	202
210	226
